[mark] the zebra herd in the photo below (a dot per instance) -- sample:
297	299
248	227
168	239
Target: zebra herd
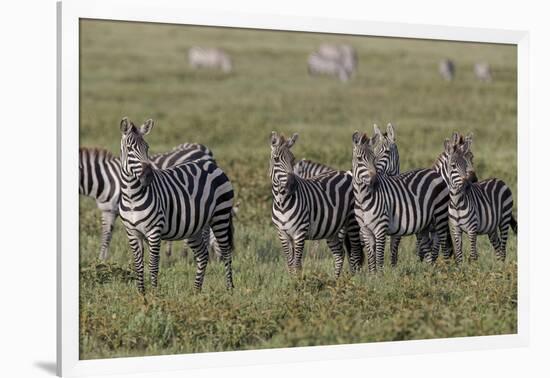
337	60
184	195
311	201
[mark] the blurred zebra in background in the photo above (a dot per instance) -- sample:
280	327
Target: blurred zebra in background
311	209
345	54
476	208
447	69
482	71
99	178
319	65
172	204
209	57
406	204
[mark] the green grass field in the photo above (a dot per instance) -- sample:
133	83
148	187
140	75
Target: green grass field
141	71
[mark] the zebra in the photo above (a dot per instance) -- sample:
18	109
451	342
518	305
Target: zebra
311	209
447	69
476	208
482	71
405	204
210	58
317	64
99	178
345	54
172	204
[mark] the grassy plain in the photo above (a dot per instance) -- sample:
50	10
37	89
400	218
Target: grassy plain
141	71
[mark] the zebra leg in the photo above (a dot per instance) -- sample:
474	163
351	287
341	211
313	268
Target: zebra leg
107	225
337	248
448	246
472	236
136	244
456	234
495	242
200	251
288	249
169	249
370	242
504	228
394	248
439	238
221	230
154	256
298	244
380	240
353	245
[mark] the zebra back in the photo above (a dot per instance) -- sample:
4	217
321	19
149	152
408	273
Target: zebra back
209	58
181	154
308	169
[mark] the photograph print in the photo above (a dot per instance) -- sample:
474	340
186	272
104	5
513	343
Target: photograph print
250	189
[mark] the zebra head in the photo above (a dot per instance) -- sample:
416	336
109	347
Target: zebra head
363	160
282	159
441	164
460	165
386	152
134	156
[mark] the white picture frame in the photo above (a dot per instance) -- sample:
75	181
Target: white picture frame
69	13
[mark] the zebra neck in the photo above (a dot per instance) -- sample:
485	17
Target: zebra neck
131	185
459	198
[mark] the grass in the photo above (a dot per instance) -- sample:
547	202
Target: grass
140	70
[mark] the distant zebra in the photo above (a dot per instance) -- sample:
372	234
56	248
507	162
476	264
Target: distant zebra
99	172
482	71
447	69
311	209
406	204
172	204
317	64
209	58
344	54
478	208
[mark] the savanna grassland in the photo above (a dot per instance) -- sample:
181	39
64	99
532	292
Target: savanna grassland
141	71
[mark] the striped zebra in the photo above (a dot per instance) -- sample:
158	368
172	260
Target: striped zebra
405	204
309	169
209	57
172	204
447	69
476	208
345	54
311	209
317	64
99	178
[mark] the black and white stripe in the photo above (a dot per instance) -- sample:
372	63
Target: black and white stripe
311	209
99	178
476	208
405	204
172	204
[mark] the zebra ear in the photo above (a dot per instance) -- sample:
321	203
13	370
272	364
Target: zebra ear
290	142
146	127
456	138
274	138
390	132
125	125
356	137
146	174
377	130
447	146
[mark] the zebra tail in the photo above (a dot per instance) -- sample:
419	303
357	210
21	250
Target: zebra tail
514	224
